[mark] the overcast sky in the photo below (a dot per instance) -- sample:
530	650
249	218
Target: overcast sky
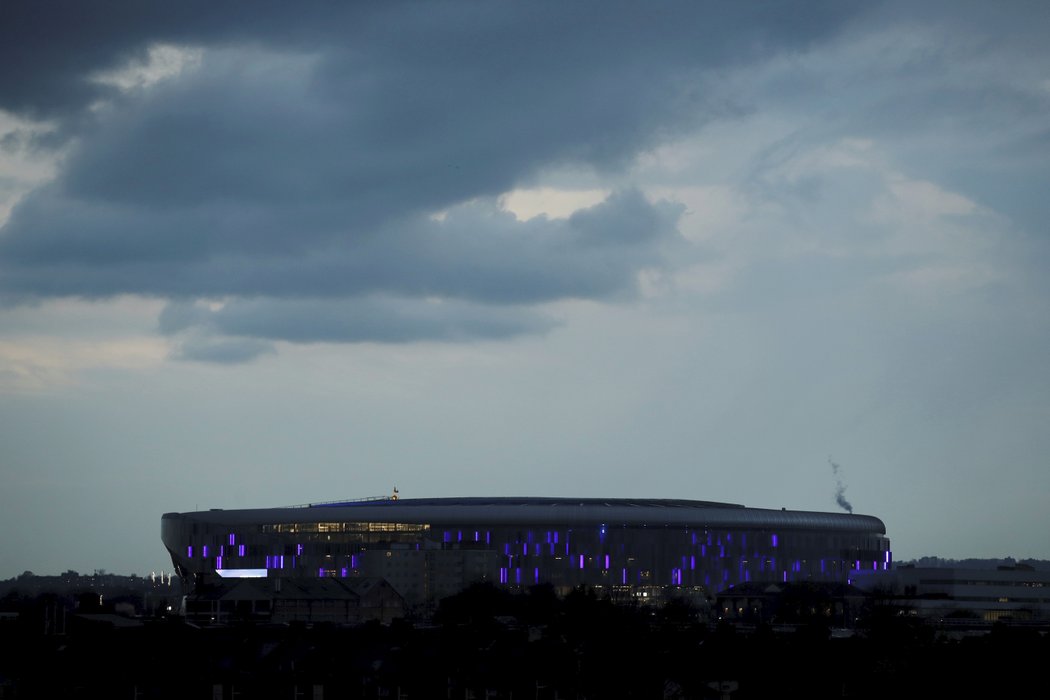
778	254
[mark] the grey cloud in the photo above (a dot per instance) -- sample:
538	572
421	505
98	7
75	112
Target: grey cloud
955	91
301	161
177	316
203	347
50	50
477	252
374	319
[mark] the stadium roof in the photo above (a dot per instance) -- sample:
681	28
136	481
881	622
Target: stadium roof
546	511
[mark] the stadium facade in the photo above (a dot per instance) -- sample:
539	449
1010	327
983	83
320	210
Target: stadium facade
429	548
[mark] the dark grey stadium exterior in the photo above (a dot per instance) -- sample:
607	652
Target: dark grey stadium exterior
429	548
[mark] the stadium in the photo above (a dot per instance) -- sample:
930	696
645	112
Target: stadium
429	548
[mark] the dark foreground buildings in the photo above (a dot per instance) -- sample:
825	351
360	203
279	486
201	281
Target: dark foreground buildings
488	642
431	548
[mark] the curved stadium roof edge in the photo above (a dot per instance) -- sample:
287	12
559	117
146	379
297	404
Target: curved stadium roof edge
546	510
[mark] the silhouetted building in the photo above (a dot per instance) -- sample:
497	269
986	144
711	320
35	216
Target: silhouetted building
832	604
349	601
428	549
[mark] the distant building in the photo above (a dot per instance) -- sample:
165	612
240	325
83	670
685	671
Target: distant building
1007	593
428	549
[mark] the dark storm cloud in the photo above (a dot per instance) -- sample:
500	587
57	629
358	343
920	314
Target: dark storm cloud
50	49
305	156
476	252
